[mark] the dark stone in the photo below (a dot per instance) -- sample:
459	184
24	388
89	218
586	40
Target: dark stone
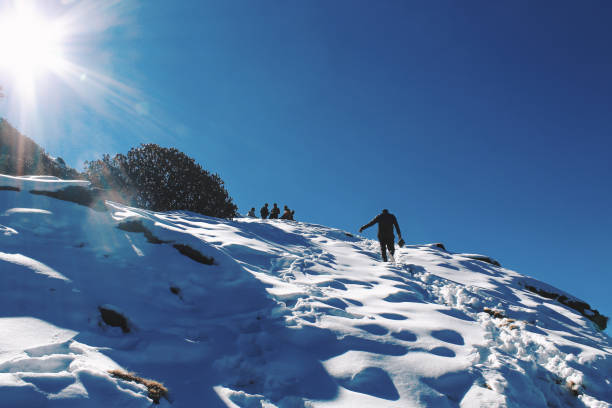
542	292
583	308
138	226
483	258
600	320
440	245
194	254
88	197
9	188
114	319
175	290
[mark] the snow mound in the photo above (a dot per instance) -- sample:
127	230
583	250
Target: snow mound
270	313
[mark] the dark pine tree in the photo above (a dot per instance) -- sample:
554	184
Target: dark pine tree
162	179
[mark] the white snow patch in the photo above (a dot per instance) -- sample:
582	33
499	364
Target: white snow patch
291	315
26	211
33	264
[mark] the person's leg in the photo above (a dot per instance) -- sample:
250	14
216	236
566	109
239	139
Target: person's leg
391	249
383	250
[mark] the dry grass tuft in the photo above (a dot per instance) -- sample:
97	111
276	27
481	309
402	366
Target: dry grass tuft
157	391
494	313
575	389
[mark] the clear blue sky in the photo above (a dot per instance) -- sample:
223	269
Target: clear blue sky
483	125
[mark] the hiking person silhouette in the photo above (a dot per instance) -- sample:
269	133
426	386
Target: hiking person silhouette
251	213
264	211
275	212
288	214
385	221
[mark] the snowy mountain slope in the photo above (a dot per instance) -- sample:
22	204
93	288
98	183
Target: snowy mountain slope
289	314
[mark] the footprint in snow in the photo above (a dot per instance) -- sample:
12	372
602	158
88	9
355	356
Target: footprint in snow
373	381
393	278
335	302
447	265
354	282
442	351
453	385
448	336
354	302
457	314
401	297
405	335
373	329
392	316
332	284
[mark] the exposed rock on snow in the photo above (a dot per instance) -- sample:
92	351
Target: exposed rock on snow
440	245
194	254
288	315
483	258
137	226
88	197
113	317
582	307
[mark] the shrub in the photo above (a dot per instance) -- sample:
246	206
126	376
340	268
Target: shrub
161	179
111	175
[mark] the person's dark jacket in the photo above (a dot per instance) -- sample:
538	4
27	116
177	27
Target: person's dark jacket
287	215
274	213
385	221
264	212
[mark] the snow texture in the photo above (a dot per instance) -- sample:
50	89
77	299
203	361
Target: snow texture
288	315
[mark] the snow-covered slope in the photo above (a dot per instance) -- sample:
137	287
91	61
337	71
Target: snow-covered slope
288	314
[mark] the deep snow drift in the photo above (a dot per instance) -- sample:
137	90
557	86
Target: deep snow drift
288	314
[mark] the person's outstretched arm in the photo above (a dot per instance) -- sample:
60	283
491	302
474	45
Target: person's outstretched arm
399	234
369	224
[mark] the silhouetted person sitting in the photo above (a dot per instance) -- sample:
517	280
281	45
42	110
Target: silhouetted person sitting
252	213
385	221
264	211
275	212
287	214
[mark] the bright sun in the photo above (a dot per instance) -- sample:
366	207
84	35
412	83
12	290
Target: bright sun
29	44
40	44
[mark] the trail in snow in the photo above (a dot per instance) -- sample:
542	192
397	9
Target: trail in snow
289	315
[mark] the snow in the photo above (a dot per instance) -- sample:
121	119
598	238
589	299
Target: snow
288	315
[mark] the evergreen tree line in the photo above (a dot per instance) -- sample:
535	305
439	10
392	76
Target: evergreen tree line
20	155
161	179
149	176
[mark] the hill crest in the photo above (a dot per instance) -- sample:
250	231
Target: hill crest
287	314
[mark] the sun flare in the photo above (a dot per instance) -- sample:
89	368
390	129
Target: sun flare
29	44
55	56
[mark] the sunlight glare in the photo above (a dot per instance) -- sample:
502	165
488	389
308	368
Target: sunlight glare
53	55
29	44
